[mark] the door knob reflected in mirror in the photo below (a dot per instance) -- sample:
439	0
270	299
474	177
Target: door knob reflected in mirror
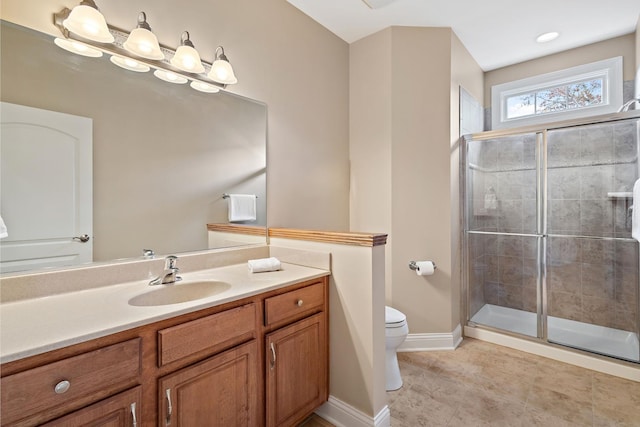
84	238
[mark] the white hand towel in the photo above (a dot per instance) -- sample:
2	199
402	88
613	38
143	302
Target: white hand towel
242	207
3	229
264	264
635	215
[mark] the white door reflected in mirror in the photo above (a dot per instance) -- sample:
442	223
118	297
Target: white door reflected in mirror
45	188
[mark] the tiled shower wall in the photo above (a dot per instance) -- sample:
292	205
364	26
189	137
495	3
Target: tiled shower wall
588	279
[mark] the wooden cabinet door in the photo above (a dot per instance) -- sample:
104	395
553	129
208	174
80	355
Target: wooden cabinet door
121	410
220	391
296	371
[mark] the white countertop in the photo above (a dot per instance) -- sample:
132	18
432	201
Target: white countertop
33	326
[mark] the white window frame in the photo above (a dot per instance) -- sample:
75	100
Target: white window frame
610	70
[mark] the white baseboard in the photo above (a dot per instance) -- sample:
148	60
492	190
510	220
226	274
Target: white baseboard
427	342
342	414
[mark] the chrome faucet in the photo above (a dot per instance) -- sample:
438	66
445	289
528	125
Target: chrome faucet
170	273
627	105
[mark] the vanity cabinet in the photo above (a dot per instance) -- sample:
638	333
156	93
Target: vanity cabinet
297	369
261	360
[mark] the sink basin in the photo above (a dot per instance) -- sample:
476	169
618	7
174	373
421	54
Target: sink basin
179	292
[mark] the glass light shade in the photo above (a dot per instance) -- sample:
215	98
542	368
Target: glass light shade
144	43
170	77
204	87
89	23
222	72
129	64
187	59
77	48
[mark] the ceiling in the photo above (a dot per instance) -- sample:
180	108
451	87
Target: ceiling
497	33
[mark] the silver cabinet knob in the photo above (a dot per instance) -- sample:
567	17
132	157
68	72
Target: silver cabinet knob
62	387
299	303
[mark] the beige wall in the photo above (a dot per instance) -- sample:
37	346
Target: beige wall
408	131
281	57
624	46
421	207
370	137
356	322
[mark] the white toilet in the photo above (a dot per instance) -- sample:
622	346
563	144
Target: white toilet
396	331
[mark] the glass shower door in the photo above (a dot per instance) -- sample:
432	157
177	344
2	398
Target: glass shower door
504	240
591	260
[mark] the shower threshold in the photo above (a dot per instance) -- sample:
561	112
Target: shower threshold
584	336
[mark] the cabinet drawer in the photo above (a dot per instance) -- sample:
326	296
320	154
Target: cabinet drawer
123	409
208	335
90	376
294	304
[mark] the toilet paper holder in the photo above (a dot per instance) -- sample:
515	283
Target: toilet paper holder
414	266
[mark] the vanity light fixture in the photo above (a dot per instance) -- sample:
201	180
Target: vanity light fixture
129	64
142	41
187	57
78	48
140	51
86	21
221	70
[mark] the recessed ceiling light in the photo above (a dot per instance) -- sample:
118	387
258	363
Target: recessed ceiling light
547	37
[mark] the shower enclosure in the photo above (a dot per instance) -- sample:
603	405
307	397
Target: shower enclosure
547	238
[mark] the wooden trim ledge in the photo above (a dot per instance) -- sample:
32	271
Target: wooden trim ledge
340	237
344	238
254	230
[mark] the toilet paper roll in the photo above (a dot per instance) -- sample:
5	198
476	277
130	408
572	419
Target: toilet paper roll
425	268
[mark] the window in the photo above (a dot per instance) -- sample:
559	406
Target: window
581	91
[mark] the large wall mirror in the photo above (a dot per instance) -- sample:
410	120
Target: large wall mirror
163	154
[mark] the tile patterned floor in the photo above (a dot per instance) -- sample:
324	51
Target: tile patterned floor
482	384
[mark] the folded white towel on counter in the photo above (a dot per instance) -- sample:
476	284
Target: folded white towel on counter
635	213
242	207
3	229
264	264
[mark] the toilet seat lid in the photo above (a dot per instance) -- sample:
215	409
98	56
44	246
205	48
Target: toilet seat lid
391	315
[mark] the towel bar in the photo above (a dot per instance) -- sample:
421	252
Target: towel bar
226	196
